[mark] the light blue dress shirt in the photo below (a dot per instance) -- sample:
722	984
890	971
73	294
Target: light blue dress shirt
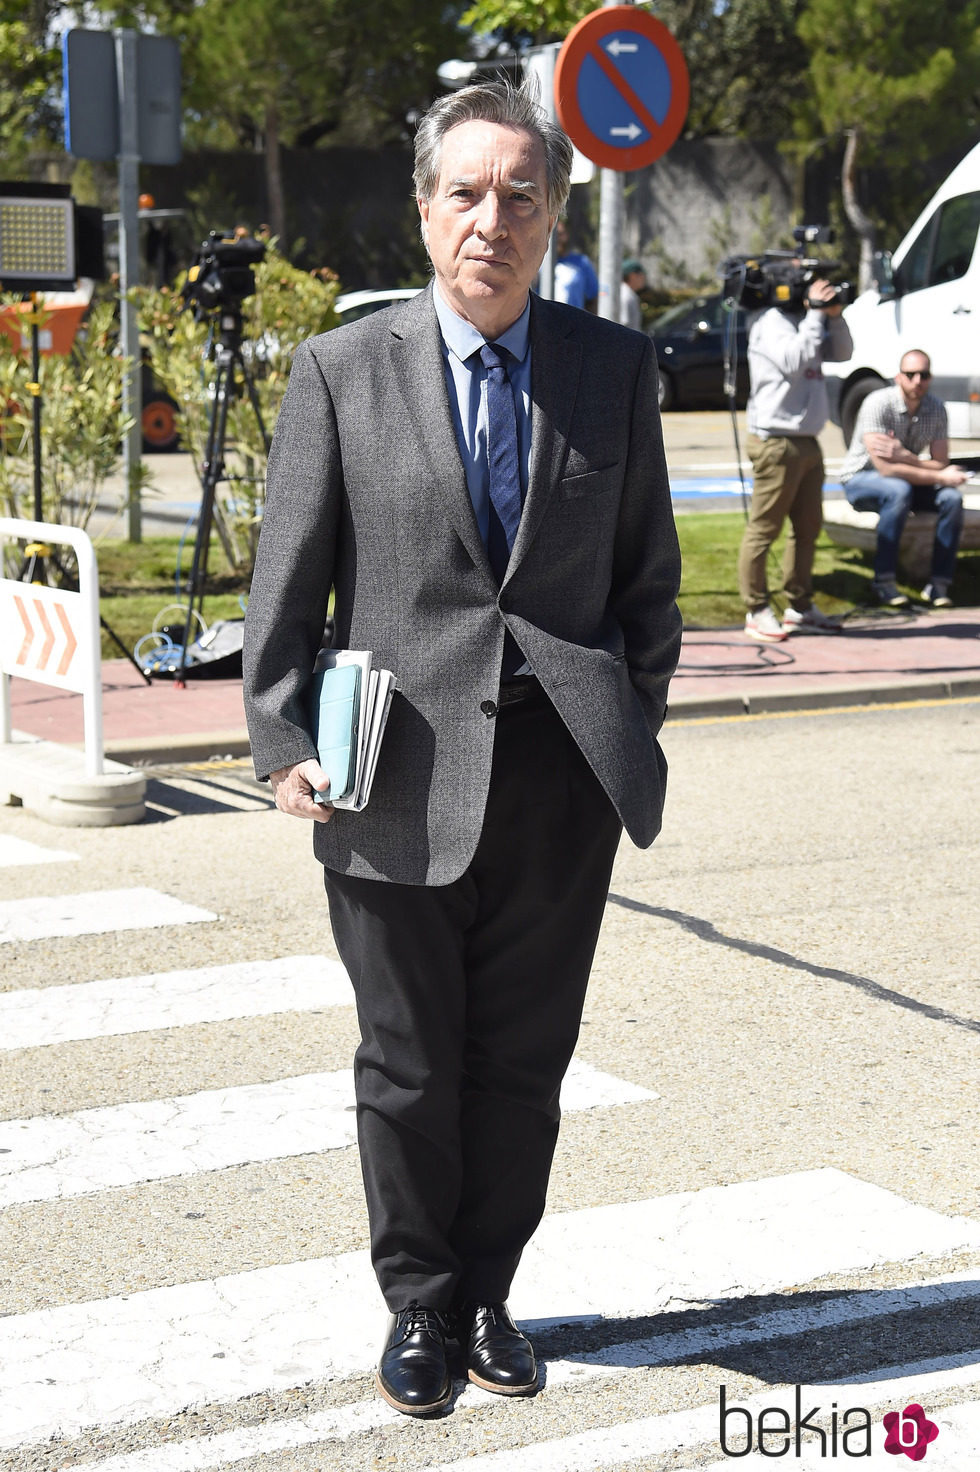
466	381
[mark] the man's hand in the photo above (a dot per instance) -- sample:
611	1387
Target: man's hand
821	295
293	788
887	451
887	447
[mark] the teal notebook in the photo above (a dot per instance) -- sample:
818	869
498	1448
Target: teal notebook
350	701
336	721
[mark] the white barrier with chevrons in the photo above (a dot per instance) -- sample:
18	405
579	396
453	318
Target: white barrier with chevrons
51	635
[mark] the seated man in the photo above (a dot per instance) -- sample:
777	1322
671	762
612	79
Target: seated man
886	470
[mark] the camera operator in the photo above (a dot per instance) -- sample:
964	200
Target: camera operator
787	409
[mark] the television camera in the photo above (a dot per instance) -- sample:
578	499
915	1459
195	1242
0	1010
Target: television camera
782	278
222	273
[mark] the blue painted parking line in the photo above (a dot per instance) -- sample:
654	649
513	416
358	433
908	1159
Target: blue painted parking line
704	487
701	487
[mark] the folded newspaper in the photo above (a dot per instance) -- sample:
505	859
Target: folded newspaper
351	701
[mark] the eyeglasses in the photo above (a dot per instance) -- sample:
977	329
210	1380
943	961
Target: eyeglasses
923	373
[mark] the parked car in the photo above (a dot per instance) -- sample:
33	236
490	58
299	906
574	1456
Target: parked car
351	305
690	345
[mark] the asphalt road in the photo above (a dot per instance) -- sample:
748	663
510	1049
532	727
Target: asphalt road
767	1174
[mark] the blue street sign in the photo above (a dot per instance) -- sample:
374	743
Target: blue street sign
621	87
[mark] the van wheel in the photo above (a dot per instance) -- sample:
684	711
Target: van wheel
161	433
665	390
854	396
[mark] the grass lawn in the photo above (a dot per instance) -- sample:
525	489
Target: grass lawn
139	581
138	584
841	575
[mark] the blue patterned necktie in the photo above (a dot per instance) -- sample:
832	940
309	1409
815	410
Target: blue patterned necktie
502	449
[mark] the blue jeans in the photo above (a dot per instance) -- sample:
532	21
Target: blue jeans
893	499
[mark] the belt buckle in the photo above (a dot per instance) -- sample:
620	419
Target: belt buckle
512	692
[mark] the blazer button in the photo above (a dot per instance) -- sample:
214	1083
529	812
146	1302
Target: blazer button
489	708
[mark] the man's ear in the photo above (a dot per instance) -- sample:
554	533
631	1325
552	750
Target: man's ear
423	205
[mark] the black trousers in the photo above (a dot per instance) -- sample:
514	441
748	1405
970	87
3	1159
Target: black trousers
469	998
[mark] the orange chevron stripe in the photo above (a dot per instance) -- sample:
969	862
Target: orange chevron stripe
25	648
49	636
72	642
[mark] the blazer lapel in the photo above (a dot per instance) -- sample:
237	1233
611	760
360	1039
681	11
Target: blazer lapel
421	378
556	360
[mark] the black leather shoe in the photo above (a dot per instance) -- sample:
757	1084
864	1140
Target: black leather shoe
498	1356
412	1375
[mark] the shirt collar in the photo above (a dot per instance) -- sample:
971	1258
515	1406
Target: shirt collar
462	338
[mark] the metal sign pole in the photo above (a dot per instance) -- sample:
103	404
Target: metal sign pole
129	269
610	234
610	242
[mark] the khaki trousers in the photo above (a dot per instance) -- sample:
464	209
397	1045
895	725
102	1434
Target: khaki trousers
788	482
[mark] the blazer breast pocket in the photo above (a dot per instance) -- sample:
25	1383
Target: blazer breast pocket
590	482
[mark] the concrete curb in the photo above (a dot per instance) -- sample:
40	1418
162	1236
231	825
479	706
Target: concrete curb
163	751
746	703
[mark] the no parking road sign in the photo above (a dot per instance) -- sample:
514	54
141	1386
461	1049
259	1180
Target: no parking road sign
621	87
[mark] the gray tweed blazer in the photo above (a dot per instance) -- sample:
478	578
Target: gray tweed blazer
367	495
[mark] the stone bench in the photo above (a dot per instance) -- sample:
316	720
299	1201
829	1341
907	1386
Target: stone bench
850	528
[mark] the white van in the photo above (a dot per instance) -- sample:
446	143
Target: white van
928	297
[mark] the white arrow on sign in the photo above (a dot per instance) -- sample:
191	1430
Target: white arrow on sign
617	47
631	132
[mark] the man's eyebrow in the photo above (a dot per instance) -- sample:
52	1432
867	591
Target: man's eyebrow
526	186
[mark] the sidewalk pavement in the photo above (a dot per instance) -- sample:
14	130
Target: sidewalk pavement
877	658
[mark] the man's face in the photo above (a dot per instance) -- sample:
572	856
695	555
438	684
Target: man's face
486	225
913	379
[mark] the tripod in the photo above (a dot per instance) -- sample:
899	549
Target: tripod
38	554
227	386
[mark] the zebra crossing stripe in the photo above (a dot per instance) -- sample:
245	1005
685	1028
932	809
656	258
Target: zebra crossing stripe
688	1430
709	1341
203	1454
664	1435
18	851
116	1361
51	1157
40	1017
95	913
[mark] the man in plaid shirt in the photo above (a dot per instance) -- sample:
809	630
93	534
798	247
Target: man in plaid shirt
888	470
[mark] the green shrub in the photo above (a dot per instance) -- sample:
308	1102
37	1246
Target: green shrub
82	423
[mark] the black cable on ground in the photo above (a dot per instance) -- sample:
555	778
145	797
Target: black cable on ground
774	656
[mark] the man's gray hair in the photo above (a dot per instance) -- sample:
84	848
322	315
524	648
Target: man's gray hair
493	102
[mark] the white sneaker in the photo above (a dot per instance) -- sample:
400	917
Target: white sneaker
764	626
887	594
810	620
937	593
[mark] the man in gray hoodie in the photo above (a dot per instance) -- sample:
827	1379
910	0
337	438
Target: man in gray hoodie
787	409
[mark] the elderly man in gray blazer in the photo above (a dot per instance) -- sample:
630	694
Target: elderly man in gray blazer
479	477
